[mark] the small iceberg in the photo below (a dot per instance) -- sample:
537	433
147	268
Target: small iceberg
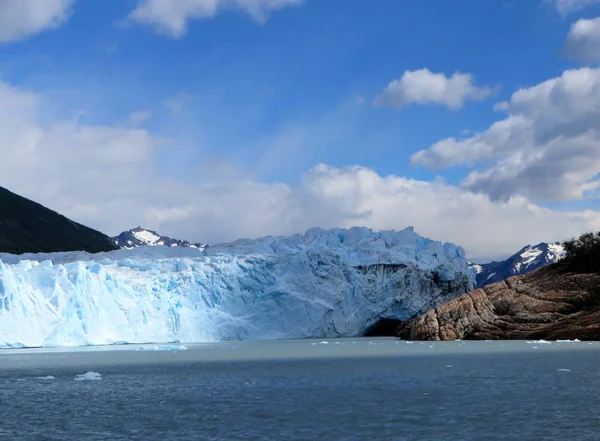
563	370
163	348
47	378
89	376
569	341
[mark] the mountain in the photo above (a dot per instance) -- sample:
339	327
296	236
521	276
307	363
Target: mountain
526	260
138	237
28	227
324	283
552	303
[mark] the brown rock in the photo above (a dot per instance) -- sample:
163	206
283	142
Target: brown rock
550	303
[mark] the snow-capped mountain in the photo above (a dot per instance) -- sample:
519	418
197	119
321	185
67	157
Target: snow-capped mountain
324	283
527	259
139	237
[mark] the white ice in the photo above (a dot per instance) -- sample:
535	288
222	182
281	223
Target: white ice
163	348
89	376
322	284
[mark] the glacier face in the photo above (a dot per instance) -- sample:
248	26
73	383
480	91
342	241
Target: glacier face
324	283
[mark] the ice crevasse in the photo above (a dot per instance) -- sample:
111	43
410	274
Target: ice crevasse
324	283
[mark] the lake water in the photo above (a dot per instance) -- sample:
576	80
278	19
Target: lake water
363	389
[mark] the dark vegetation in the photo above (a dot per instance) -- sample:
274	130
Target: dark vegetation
28	227
582	254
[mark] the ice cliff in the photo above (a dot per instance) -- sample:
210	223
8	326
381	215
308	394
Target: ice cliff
324	283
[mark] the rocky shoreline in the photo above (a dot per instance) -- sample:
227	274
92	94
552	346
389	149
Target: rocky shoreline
550	303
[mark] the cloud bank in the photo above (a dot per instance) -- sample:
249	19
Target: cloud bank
547	148
171	17
106	177
20	19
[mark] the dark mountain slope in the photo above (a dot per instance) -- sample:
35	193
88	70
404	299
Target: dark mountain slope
28	227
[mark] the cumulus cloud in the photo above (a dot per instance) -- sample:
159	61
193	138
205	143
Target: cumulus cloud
426	87
106	177
547	147
171	17
22	18
583	40
565	7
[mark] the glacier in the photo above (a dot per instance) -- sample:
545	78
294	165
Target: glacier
321	284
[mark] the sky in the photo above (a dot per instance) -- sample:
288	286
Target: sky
476	122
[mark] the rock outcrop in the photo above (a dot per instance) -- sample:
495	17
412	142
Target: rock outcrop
550	303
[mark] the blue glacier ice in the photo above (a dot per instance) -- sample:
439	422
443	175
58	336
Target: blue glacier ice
324	283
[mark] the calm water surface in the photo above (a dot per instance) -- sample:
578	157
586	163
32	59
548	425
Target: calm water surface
366	389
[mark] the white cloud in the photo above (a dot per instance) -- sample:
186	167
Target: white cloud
565	7
547	148
22	18
425	87
106	177
583	40
171	17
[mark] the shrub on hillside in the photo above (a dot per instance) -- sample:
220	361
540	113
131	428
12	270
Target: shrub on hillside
583	253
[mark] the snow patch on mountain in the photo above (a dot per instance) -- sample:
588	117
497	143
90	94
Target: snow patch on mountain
324	283
138	237
525	260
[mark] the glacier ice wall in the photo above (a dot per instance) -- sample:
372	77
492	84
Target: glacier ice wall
325	283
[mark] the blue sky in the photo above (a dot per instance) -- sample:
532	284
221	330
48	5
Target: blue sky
232	103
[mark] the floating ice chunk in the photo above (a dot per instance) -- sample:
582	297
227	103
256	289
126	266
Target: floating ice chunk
569	341
324	343
89	376
49	377
564	370
542	342
177	348
163	348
